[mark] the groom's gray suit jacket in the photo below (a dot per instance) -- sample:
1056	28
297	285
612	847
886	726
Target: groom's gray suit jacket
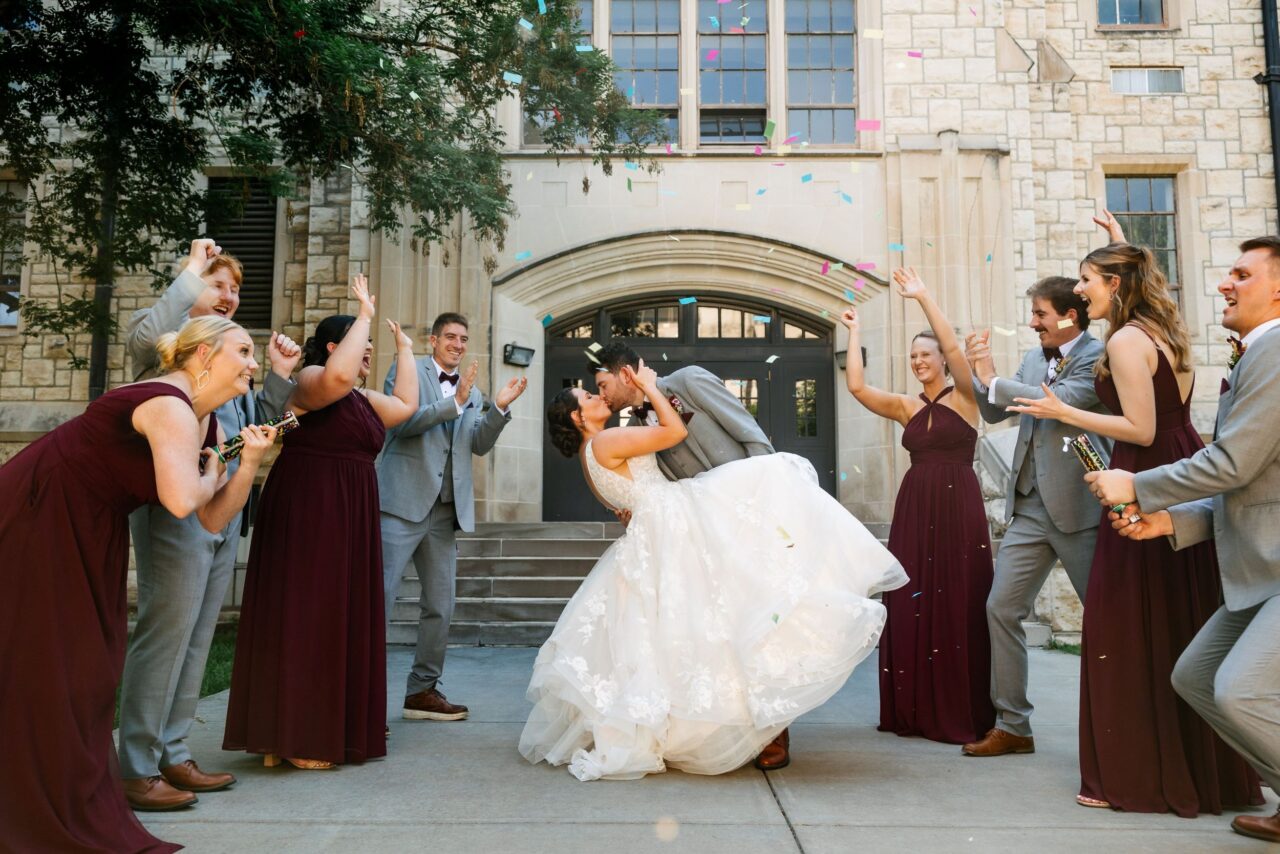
412	465
720	431
1232	487
1059	477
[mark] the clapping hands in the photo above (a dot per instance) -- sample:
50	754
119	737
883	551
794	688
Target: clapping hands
512	390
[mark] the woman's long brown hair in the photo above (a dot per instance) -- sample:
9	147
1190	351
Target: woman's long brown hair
1143	300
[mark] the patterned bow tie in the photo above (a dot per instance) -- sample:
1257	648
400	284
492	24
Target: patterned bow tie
1237	351
448	378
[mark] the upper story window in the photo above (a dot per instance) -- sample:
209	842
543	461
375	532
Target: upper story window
246	228
1129	13
12	196
732	72
645	36
1146	81
820	71
535	122
1145	207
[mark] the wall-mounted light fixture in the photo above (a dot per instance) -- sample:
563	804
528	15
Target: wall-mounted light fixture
843	355
514	354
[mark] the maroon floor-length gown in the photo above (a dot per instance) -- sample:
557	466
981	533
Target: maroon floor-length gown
310	679
1142	748
64	556
935	653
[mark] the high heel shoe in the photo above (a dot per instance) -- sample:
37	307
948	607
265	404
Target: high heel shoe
271	760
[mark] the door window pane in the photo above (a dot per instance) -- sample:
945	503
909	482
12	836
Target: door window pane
747	392
805	396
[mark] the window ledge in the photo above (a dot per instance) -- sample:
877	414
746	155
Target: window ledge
1137	29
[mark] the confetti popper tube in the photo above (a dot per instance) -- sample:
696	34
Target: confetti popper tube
1089	457
231	449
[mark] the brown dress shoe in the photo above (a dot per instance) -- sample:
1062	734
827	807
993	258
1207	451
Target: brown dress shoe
997	742
776	754
188	777
153	794
432	706
1258	827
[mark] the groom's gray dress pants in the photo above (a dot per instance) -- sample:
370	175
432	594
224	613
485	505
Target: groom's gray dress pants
1029	550
1230	674
183	575
432	545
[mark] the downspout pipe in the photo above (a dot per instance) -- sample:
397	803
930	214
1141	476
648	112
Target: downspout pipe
1271	79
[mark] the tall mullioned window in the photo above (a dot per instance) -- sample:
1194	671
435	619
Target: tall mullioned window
12	196
645	46
534	122
1128	13
821	96
1145	207
732	72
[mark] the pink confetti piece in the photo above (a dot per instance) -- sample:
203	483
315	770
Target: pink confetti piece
857	284
713	54
737	30
865	265
759	151
917	54
826	267
777	164
868	124
790	139
973	11
668	148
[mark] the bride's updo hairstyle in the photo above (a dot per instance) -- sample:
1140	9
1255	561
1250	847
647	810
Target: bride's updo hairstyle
565	435
331	330
177	348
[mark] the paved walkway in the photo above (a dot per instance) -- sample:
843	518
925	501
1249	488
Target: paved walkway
455	788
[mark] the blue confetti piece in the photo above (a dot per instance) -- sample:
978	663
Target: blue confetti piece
988	257
848	294
546	321
524	256
512	77
688	300
542	7
715	22
761	191
762	318
806	178
667	192
528	25
583	48
631	91
844	475
897	247
846	198
632	166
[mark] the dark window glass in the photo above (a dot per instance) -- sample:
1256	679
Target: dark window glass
13	195
821	94
806	403
1145	207
1130	12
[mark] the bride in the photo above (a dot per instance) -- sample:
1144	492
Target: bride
736	601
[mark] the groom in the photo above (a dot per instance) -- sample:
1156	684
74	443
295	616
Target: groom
721	430
1230	491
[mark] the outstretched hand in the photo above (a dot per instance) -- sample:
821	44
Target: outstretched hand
512	390
849	317
909	283
1049	406
402	339
1108	223
360	291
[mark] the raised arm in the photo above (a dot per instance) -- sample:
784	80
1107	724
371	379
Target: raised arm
911	286
282	357
1133	361
168	313
616	445
400	405
896	407
321	385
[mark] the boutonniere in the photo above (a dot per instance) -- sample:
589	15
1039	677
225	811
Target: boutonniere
1059	365
1237	351
678	405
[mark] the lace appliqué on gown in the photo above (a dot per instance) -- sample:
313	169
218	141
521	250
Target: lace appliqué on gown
735	602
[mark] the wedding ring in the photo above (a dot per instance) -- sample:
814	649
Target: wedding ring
1134	519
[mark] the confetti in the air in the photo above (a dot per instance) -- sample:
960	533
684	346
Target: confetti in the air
771	359
762	191
542	7
583	48
768	129
865	265
897	247
512	77
826	267
1000	330
713	54
868	124
806	178
632	166
524	256
848	294
546	321
915	54
528	25
595	347
688	300
1065	323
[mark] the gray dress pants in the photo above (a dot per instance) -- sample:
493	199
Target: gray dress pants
432	545
183	575
1029	550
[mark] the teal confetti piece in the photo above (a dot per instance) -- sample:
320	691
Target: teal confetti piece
715	22
844	475
897	247
848	294
761	191
688	300
528	25
524	256
988	257
839	265
846	198
583	48
512	77
632	166
546	321
542	7
806	178
762	318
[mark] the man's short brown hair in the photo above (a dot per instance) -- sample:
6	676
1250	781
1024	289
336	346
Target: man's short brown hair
1060	292
1267	242
226	262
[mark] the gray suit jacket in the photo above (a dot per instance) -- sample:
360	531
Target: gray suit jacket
720	431
1059	477
1233	485
411	465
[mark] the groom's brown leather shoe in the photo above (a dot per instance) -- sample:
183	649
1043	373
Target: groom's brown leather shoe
997	742
188	777
432	706
1258	827
776	754
153	794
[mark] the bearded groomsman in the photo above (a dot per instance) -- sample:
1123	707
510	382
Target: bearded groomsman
424	485
1230	491
1050	513
183	570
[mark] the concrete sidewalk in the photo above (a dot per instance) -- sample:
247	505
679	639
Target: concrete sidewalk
454	788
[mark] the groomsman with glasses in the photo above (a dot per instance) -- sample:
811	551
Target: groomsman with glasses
1230	492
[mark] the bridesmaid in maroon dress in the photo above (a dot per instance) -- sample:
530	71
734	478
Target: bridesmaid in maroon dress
309	683
935	653
1142	749
64	535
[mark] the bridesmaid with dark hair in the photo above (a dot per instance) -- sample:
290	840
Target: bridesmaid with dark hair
1142	748
935	653
309	680
64	538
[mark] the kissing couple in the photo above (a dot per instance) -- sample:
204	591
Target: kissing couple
737	599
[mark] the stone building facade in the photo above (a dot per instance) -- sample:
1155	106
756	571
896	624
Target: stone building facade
972	139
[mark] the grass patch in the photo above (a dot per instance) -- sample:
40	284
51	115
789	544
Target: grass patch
1058	646
217	670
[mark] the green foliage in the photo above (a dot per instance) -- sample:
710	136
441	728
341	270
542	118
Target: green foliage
110	134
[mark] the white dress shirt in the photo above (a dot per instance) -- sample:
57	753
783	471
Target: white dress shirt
1260	330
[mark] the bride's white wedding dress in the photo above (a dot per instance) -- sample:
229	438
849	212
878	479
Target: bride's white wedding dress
735	602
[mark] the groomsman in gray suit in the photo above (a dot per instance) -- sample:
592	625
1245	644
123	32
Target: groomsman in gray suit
1051	515
425	489
183	570
1230	491
720	428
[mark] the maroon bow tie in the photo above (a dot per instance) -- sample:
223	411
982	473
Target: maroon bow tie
448	378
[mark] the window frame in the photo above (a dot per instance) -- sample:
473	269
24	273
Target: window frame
832	106
1125	217
1166	17
671	111
721	110
1122	69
